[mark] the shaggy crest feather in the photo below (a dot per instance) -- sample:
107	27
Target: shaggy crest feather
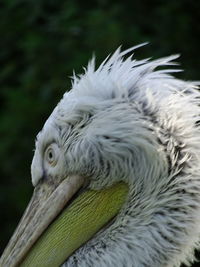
129	121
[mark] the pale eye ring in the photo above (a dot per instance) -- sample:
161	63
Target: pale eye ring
50	156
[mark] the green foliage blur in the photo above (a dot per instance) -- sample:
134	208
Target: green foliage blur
42	42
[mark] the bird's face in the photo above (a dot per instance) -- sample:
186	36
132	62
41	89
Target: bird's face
100	140
106	159
87	152
82	147
77	153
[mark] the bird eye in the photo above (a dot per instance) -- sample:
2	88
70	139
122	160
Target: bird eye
51	156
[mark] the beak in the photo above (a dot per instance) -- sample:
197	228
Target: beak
54	224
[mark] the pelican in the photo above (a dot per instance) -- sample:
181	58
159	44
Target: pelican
116	172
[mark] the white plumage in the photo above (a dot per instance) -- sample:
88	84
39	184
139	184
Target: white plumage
129	121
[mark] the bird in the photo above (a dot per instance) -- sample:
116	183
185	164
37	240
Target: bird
116	171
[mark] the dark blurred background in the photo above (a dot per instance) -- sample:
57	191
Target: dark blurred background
43	41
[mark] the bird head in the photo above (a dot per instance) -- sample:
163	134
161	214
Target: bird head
115	172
